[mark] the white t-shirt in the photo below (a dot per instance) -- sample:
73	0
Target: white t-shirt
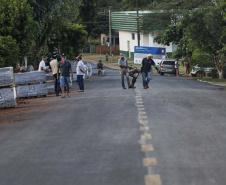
78	71
42	64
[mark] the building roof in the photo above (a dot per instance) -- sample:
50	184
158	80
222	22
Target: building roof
126	20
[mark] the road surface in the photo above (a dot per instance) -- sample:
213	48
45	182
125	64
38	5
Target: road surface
171	134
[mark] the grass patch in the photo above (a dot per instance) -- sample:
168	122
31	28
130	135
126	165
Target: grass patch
111	59
212	80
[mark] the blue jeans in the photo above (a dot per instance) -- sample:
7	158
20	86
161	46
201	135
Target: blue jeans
146	78
56	84
64	81
80	82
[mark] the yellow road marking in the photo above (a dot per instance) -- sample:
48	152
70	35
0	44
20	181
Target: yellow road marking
139	102
145	136
142	112
140	109
153	180
149	162
143	122
144	128
147	148
139	99
140	105
143	117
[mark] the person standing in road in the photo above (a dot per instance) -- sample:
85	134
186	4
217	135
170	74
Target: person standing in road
177	67
187	66
107	57
80	72
146	69
42	64
122	62
64	66
53	65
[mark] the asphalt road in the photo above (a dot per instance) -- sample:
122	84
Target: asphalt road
171	134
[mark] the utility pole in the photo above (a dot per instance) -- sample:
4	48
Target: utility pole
110	31
138	29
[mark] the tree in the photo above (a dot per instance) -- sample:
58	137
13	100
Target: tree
9	52
17	26
201	35
51	15
169	12
73	39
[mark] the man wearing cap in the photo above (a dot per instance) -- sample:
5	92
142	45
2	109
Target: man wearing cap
53	65
100	67
122	62
64	66
146	69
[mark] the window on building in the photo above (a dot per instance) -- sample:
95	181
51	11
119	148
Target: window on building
133	36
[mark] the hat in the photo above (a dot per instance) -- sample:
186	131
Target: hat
100	59
122	55
150	55
79	57
63	55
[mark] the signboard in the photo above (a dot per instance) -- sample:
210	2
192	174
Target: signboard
141	52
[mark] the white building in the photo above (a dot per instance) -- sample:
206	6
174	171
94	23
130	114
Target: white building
126	23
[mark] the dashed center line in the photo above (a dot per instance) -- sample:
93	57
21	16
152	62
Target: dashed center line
150	179
146	148
153	180
145	136
149	162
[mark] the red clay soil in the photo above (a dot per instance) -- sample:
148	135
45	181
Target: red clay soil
25	109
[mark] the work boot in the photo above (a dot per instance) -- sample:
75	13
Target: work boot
124	87
145	87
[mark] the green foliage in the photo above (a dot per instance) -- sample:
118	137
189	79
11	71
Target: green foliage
51	16
9	52
168	12
73	39
201	38
16	21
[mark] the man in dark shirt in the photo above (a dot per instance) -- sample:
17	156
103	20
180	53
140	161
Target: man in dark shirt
65	67
146	69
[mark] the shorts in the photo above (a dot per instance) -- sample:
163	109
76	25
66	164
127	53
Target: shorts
64	81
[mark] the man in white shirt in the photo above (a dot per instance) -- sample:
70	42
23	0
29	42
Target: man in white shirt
80	72
42	64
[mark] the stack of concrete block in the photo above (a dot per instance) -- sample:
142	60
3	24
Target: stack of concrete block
89	70
30	77
31	90
8	97
50	87
94	69
74	66
49	76
7	92
6	76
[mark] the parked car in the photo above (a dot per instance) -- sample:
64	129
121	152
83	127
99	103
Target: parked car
196	69
167	66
